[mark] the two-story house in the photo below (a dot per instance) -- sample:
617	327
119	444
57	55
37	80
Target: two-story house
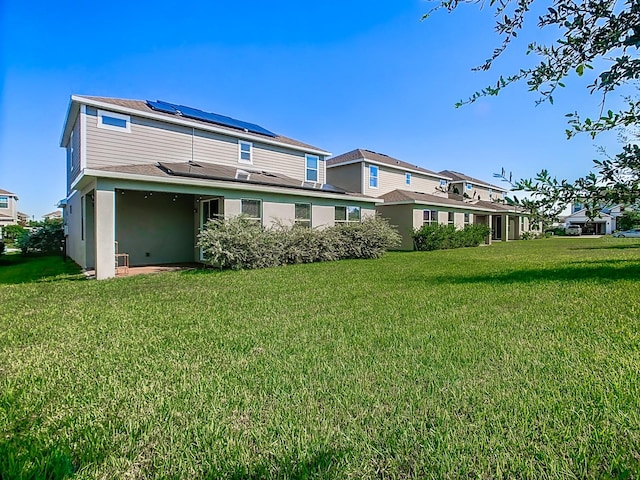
8	209
144	176
412	196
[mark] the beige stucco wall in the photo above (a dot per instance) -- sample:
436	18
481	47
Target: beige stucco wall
156	229
278	213
72	220
403	218
322	216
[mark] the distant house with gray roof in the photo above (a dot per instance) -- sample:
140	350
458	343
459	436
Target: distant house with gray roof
411	196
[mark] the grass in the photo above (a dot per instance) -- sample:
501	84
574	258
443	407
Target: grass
521	360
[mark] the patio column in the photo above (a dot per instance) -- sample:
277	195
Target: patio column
105	233
505	228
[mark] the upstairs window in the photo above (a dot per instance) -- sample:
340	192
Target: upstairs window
252	209
490	193
245	152
469	186
407	178
303	214
114	121
311	173
373	176
443	183
4	202
429	217
347	215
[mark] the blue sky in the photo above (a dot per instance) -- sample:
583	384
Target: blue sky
338	75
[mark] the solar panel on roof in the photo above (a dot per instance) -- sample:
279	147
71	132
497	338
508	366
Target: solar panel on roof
197	114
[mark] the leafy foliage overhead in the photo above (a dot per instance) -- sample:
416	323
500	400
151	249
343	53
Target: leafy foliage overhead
600	38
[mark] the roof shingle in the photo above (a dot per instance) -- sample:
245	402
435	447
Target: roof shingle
361	153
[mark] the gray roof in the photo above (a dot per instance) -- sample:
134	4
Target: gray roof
363	154
225	173
461	177
406	196
142	106
6	192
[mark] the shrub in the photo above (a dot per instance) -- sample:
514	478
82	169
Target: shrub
239	243
442	237
2	246
47	238
12	232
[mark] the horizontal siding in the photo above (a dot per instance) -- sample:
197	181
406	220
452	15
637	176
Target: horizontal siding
152	141
148	142
391	179
73	151
347	177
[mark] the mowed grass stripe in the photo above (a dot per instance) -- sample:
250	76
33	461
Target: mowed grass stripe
518	360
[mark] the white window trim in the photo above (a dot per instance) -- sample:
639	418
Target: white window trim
377	177
346	216
407	178
310	220
253	200
306	168
240	159
119	116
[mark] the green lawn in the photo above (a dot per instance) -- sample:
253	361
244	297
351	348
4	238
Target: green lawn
521	360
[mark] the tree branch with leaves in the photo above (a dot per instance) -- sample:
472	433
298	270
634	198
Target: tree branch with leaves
593	34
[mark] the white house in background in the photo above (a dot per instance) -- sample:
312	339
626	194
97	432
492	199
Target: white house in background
55	215
604	223
146	175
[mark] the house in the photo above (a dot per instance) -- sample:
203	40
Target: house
467	187
55	215
8	209
23	219
604	223
144	176
411	196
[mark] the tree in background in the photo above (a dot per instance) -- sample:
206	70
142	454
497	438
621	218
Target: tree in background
597	38
628	220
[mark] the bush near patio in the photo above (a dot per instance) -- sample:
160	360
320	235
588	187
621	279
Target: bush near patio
443	237
240	243
44	239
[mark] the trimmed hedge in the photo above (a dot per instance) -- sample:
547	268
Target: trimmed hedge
240	243
442	237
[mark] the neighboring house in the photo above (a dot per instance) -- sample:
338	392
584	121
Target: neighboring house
8	209
604	223
411	196
463	186
148	175
55	215
23	219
